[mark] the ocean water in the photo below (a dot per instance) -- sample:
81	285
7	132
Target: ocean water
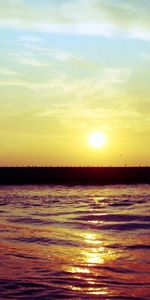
59	242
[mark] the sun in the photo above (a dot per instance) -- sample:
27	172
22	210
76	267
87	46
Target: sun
97	140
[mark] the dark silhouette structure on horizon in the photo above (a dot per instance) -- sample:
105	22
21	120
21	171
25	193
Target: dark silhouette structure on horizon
74	175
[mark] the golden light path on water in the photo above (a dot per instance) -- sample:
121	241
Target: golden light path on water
93	256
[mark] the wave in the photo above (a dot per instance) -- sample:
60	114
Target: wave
74	242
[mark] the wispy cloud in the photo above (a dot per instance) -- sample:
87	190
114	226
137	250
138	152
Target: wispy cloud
96	17
31	39
31	62
5	71
65	104
28	85
110	78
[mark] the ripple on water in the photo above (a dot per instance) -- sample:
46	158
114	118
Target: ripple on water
75	242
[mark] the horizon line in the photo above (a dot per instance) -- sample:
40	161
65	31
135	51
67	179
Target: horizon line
75	166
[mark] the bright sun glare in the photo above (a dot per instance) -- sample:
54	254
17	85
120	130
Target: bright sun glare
97	140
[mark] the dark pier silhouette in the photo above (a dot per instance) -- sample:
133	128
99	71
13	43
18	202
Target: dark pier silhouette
74	175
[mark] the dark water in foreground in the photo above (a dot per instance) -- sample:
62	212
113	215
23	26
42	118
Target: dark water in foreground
75	242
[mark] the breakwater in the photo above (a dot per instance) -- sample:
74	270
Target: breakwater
74	175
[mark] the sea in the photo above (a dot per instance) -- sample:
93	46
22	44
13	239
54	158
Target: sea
75	242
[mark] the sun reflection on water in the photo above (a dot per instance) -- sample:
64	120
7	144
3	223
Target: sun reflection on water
95	252
98	199
87	271
91	238
94	256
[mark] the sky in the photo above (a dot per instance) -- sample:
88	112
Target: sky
70	68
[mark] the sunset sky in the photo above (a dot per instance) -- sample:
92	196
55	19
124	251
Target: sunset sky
70	68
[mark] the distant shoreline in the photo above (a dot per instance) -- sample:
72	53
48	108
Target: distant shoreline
74	175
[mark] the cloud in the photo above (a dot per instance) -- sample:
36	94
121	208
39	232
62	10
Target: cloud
140	33
96	17
109	78
7	72
58	55
31	39
31	62
87	96
107	102
28	85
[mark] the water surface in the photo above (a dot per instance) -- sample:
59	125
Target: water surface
78	242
